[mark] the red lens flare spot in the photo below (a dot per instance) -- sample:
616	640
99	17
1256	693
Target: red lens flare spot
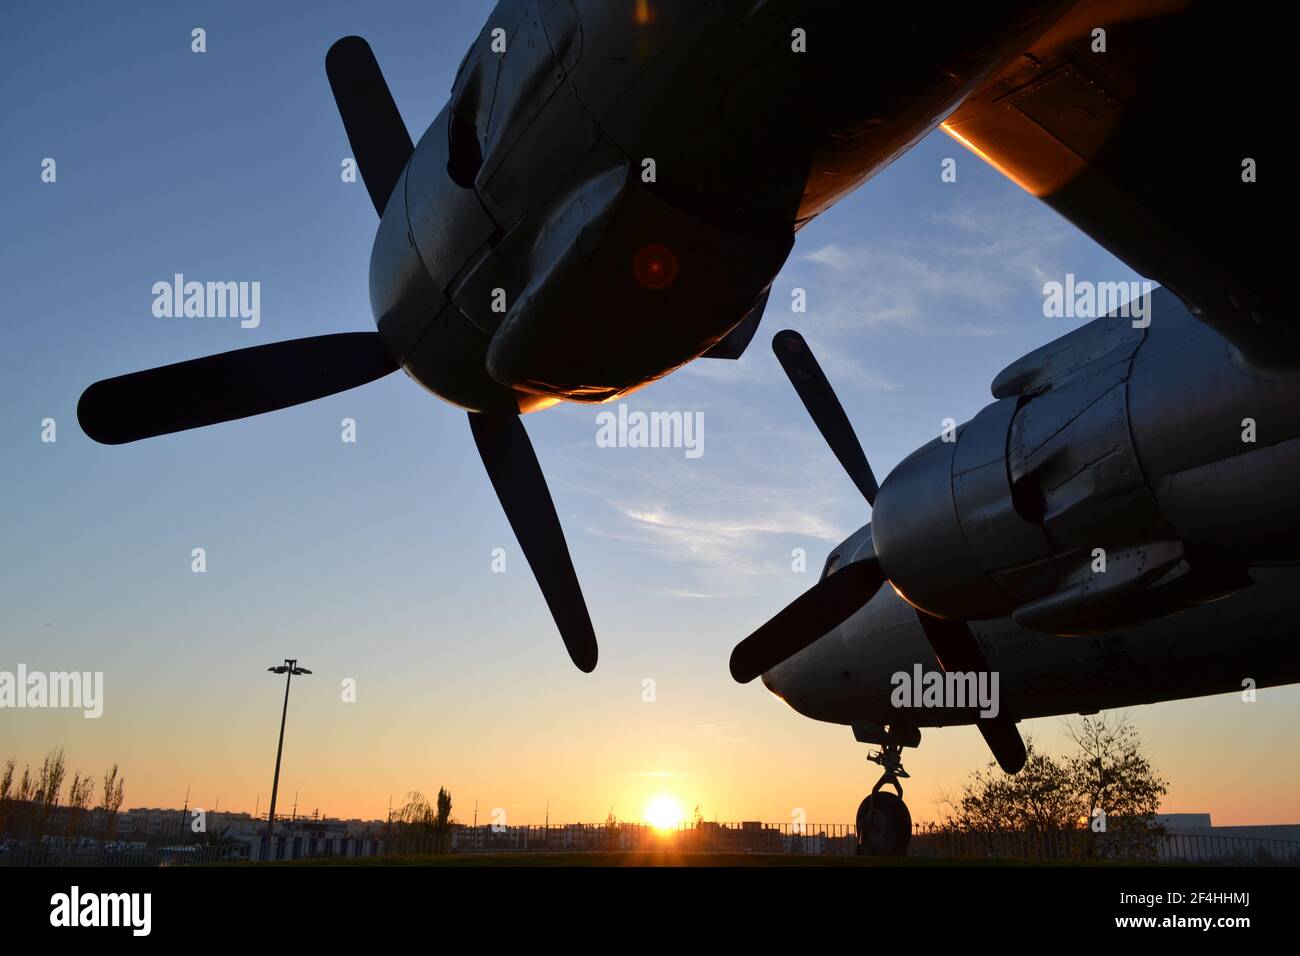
655	267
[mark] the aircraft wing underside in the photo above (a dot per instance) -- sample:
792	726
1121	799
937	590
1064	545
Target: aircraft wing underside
1143	123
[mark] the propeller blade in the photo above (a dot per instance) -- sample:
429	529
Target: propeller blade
955	646
517	478
375	129
1004	739
220	388
829	603
827	413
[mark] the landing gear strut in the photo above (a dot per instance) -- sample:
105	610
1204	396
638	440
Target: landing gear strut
884	824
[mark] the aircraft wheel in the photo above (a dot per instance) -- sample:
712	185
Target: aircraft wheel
884	825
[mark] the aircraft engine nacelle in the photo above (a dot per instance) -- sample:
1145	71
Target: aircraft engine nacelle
601	290
623	288
430	229
1098	491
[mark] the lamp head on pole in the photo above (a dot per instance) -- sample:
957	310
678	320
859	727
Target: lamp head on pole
290	666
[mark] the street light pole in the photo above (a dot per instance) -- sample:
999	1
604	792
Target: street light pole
289	669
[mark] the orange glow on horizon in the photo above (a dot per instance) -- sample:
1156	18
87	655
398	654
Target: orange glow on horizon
664	813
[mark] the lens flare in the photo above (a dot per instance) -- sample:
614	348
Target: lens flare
655	267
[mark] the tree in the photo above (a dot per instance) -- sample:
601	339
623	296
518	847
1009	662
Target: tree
111	800
1118	790
419	827
442	822
1100	800
48	786
1037	799
6	794
415	817
79	796
611	830
24	795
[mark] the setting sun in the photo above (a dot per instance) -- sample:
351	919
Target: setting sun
664	813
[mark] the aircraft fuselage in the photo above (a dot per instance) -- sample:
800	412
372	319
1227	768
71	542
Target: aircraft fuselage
847	677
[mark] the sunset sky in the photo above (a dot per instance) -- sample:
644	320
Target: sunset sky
372	561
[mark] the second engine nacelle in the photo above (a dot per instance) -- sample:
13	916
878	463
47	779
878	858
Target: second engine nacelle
1078	502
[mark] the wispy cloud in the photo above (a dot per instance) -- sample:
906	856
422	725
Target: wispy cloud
722	526
981	258
738	544
1023	251
684	593
655	773
718	733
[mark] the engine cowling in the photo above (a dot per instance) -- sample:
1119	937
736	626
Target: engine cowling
1087	497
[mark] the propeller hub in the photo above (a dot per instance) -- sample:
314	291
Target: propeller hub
922	545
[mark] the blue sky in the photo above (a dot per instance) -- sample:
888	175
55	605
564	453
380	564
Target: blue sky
372	560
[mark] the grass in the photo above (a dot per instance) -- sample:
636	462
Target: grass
655	858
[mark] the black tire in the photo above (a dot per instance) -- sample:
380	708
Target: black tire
884	825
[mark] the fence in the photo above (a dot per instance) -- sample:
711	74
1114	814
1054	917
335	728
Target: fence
840	839
746	838
237	850
1243	851
704	837
1083	845
53	854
